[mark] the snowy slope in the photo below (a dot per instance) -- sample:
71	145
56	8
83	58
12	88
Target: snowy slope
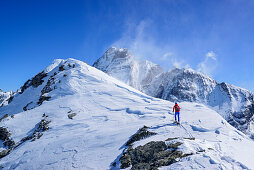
235	104
108	112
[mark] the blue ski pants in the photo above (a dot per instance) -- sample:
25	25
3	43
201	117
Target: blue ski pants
177	114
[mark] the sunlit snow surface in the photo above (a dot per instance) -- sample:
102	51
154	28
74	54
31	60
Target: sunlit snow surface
108	113
233	103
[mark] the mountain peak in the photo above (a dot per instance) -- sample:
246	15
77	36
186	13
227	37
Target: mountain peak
189	71
120	63
181	84
84	105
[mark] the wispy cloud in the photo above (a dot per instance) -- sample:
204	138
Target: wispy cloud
209	64
139	39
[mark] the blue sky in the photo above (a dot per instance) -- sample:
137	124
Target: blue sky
213	36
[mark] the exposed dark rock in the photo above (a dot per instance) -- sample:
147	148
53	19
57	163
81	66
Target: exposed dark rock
65	75
41	127
169	139
5	135
47	87
35	82
25	108
225	88
175	145
146	153
5	116
4	153
70	116
61	68
12	116
38	79
125	160
202	150
143	166
114	164
10	99
249	112
160	92
141	134
190	138
42	99
25	86
152	155
9	143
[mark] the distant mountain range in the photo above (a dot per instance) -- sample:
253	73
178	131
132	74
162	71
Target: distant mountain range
235	104
74	116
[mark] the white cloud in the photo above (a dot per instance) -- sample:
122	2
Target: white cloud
209	64
187	66
211	54
176	63
166	56
139	39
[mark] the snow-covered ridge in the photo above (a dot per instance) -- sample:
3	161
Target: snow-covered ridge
57	80
89	116
235	104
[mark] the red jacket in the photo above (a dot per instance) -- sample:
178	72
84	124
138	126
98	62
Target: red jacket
176	107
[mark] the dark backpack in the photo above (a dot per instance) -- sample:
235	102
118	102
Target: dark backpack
177	108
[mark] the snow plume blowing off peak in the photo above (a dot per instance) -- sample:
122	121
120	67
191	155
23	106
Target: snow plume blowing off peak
235	104
74	116
120	63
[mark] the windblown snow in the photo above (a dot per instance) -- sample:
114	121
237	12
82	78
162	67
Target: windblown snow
74	116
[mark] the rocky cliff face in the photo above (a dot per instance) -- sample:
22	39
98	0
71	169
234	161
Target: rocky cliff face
121	64
233	103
